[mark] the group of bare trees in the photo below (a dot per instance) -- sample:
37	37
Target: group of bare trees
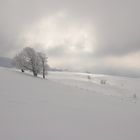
29	59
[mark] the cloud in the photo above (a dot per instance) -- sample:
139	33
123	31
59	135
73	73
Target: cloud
60	33
97	35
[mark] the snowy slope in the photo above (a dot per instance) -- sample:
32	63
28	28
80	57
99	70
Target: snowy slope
6	62
57	109
121	87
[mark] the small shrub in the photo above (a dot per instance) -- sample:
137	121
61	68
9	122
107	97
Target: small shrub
134	96
103	82
88	77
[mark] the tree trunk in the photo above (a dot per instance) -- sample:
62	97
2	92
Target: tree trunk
44	75
35	73
22	70
43	70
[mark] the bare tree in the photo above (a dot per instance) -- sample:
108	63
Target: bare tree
32	60
28	59
19	61
43	63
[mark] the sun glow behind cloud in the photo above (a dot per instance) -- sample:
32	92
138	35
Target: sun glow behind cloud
61	30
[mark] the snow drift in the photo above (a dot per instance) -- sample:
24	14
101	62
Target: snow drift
67	106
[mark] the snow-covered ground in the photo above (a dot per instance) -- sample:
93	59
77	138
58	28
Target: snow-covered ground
68	106
121	87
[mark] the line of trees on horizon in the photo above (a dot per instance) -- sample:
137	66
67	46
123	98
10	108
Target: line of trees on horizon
31	60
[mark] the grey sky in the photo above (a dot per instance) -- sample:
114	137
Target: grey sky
101	36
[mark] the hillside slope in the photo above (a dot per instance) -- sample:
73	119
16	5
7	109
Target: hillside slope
5	62
123	88
36	109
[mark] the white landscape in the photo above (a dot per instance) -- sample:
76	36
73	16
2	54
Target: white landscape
69	69
68	106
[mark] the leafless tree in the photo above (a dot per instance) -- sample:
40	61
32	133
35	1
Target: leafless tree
43	63
28	59
19	61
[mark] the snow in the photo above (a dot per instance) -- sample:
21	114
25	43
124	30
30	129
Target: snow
68	106
120	87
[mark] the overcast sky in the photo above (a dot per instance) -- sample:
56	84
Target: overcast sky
101	36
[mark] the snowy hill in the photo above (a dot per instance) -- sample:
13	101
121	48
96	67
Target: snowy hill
5	62
68	106
121	87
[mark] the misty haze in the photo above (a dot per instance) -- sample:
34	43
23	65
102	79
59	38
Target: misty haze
69	69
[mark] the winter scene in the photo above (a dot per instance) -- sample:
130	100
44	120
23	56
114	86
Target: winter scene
69	70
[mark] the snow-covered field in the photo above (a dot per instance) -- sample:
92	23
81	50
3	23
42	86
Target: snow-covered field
121	87
68	106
